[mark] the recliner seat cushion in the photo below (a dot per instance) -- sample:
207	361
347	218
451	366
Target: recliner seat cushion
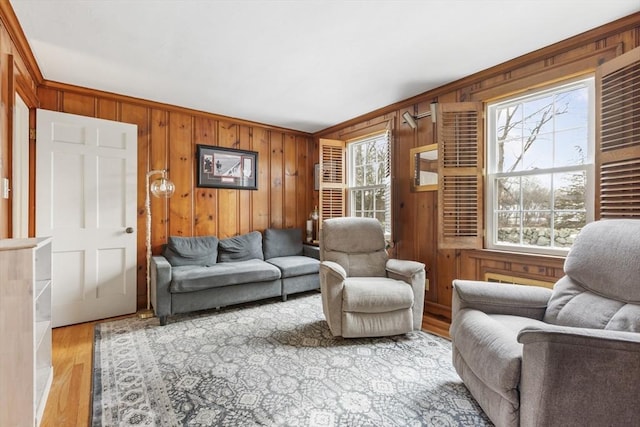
189	279
376	295
292	266
499	363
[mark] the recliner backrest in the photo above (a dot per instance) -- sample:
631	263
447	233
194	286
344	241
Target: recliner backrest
601	288
357	244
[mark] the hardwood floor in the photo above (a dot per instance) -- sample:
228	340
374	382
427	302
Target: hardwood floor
69	402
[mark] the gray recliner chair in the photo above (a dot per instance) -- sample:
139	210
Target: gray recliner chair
364	293
569	357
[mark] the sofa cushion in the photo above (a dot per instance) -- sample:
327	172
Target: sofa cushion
198	250
282	242
292	266
241	248
189	279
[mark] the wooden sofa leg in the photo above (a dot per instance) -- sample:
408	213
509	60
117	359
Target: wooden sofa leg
284	297
163	320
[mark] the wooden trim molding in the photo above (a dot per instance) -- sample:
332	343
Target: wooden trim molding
10	21
68	88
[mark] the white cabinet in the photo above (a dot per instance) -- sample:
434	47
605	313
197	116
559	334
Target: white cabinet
25	330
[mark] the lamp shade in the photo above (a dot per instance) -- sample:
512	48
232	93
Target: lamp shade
162	188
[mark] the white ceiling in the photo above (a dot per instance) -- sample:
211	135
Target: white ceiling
306	64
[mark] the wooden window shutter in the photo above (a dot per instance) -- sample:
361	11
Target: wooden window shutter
460	168
332	179
618	137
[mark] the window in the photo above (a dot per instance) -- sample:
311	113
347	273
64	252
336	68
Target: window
540	169
369	180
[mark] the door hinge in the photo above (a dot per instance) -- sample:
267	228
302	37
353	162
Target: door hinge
32	134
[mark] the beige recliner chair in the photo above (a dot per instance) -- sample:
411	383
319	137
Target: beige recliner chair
568	357
364	293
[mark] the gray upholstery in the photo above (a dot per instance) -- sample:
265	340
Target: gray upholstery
241	248
282	242
568	357
364	293
202	250
187	277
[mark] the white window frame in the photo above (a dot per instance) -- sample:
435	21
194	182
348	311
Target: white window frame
491	174
351	176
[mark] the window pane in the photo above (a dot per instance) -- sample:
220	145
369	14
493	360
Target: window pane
536	229
359	178
567	225
538	116
571	147
569	191
572	109
509	227
536	192
368	200
509	155
537	152
508	194
357	199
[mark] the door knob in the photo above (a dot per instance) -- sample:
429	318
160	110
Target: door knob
129	230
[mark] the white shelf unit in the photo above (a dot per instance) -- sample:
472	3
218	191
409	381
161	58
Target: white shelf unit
25	330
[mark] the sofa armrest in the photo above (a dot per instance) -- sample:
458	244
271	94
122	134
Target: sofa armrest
160	281
311	251
332	277
413	273
578	375
500	298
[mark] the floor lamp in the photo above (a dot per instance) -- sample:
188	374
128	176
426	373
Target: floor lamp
164	188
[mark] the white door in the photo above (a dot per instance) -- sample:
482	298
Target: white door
86	199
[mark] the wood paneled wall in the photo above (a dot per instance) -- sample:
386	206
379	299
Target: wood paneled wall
415	214
167	139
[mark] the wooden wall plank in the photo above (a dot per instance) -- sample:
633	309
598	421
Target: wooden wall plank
244	196
107	109
206	200
260	198
181	166
228	215
277	180
49	99
291	176
82	105
156	158
305	181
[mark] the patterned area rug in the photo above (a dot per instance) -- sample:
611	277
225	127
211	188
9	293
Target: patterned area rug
272	364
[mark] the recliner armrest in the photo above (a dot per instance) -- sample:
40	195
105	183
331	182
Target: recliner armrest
404	268
579	375
500	298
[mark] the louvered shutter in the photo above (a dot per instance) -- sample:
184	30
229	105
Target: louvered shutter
460	160
332	179
618	137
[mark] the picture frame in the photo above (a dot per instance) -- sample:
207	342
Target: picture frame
222	167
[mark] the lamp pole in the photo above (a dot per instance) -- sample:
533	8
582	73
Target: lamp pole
161	188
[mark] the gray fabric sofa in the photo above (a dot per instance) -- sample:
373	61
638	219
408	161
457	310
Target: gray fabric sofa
569	357
198	273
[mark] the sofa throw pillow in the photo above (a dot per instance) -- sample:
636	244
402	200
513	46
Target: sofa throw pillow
241	248
200	250
282	242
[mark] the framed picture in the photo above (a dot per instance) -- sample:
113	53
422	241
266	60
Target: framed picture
221	167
